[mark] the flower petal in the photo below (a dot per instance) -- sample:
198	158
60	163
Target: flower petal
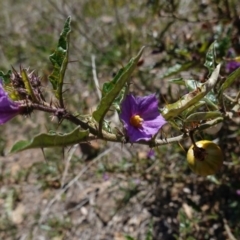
232	66
152	127
148	107
8	108
137	134
128	108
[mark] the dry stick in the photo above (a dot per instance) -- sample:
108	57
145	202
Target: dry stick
71	152
74	180
96	83
95	78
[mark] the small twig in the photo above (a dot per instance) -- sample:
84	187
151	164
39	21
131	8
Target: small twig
95	79
71	152
233	100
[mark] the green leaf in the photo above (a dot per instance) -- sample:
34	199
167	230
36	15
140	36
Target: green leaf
109	86
112	89
6	81
193	97
229	81
117	101
203	116
210	58
179	81
59	59
177	68
191	85
210	99
46	140
6	77
192	109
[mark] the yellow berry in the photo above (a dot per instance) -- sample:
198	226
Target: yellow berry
205	159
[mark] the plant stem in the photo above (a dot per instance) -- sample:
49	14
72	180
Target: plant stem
62	114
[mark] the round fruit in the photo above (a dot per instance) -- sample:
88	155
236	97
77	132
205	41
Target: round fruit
205	158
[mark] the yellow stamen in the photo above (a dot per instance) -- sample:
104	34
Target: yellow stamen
136	121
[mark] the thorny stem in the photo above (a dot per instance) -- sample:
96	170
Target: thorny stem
118	138
62	114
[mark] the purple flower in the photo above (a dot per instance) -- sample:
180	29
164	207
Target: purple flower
8	108
141	117
232	66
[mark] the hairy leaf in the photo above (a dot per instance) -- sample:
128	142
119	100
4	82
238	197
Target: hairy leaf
59	59
193	97
46	140
210	58
198	116
192	109
210	99
112	89
229	81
